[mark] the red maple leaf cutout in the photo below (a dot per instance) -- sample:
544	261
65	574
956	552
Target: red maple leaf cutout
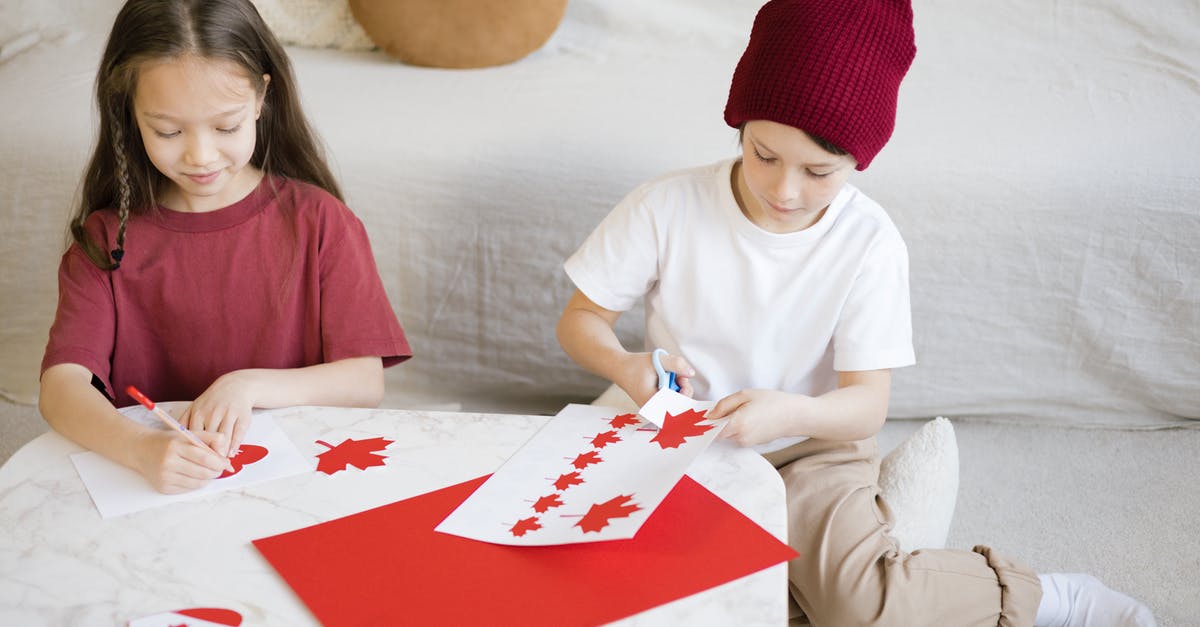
358	453
624	420
583	460
604	439
546	502
675	429
524	525
565	481
599	514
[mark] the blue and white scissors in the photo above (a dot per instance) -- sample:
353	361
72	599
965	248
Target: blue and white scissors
666	378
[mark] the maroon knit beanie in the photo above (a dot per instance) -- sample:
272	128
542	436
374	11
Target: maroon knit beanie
830	68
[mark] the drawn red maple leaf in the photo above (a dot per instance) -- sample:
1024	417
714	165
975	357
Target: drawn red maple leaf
624	420
604	439
675	429
583	460
525	525
599	514
246	454
358	453
567	480
546	502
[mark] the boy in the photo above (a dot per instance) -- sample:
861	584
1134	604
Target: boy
782	290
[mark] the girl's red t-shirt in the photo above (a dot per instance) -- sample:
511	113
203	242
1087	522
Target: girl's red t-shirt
283	278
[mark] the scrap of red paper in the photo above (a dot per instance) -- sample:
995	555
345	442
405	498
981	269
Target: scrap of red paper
358	453
387	564
675	429
218	615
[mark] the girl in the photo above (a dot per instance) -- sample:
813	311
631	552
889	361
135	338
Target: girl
782	290
212	258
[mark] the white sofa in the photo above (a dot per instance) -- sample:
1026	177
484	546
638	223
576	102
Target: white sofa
1044	172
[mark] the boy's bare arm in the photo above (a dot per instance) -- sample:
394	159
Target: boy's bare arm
585	332
854	411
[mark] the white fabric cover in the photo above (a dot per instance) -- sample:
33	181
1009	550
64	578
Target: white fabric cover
1043	174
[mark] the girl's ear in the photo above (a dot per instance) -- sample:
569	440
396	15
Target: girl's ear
262	96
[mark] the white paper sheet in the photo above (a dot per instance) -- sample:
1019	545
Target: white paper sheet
117	490
590	474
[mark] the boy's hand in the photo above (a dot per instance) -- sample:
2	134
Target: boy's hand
640	381
173	464
224	407
758	416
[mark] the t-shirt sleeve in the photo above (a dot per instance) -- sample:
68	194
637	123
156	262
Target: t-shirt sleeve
618	263
357	319
84	328
874	331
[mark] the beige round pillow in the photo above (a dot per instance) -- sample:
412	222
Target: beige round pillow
459	33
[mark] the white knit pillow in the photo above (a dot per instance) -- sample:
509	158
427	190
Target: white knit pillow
918	479
314	24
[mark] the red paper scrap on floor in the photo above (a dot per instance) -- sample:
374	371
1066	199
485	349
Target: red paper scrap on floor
388	566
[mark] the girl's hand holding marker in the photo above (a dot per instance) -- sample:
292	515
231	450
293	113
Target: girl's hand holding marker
175	465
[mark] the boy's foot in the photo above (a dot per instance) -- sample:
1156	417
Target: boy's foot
1079	600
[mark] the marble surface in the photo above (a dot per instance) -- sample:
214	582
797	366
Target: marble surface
62	564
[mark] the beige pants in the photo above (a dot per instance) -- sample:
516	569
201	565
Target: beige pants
851	572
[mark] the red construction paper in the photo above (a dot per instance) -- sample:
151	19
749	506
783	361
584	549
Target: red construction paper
387	566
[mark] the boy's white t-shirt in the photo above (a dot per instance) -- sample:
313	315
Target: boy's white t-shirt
751	309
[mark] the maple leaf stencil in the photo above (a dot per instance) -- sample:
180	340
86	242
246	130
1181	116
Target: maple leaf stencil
604	439
525	525
676	429
358	453
546	502
583	460
624	420
599	514
567	480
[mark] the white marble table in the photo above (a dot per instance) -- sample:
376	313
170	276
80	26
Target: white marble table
62	564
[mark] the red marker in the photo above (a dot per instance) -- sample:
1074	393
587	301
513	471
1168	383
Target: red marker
171	422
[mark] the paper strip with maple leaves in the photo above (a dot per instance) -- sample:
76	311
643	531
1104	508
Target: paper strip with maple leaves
590	474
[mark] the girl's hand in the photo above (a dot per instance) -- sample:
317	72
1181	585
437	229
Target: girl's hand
225	407
173	464
758	416
640	380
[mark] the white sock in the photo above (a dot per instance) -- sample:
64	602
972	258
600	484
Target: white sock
1078	600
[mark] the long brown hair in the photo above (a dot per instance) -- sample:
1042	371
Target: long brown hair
120	174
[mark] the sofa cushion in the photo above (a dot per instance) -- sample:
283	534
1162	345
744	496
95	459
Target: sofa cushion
459	33
314	24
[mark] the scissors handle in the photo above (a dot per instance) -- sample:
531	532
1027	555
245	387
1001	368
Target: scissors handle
666	378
